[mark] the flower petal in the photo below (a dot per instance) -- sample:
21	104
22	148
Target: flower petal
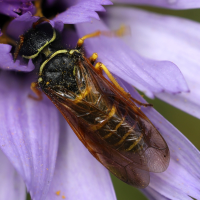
6	60
27	7
181	179
10	9
13	8
29	133
20	25
172	4
147	75
83	11
16	28
165	37
78	175
11	183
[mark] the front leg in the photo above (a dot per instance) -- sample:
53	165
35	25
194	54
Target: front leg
99	67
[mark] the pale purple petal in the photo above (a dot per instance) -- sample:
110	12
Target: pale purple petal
181	179
78	175
147	75
14	8
11	184
27	7
172	4
166	38
9	9
83	11
16	27
15	1
29	132
69	39
20	25
7	63
58	25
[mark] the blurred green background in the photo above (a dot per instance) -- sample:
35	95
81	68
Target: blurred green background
188	125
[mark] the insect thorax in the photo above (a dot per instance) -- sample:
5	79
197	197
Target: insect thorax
60	70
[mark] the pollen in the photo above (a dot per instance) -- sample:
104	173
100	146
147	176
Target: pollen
39	80
58	192
47	83
63	197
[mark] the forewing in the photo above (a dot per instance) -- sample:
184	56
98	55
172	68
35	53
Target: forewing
155	156
115	162
130	168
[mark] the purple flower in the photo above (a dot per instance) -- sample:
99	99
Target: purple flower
37	141
14	7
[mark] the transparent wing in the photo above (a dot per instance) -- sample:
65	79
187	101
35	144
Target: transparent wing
131	167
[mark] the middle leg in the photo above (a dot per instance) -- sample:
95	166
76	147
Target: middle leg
99	67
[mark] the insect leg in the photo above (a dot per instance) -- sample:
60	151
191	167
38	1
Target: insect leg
99	67
123	30
81	40
18	47
34	88
39	21
140	103
93	58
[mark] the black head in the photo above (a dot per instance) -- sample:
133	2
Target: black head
35	40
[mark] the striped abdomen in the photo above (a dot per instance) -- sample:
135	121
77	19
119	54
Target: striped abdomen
120	133
112	121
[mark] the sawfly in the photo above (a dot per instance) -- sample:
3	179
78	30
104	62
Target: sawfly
104	117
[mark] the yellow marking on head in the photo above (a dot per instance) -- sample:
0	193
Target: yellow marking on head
39	50
46	61
58	192
135	143
74	50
